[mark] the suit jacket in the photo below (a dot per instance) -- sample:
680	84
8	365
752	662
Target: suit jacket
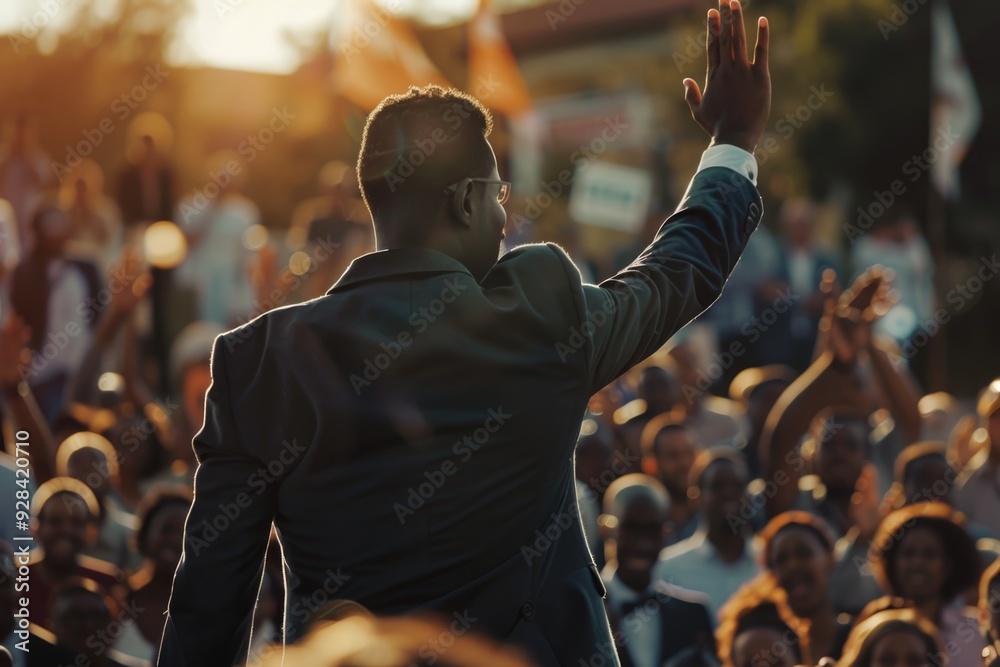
685	625
411	437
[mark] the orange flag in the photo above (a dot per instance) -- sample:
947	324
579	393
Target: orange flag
493	74
378	55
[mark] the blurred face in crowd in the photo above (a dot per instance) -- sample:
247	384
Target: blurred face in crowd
165	539
80	615
841	457
762	647
658	388
674	456
922	565
899	649
62	528
89	465
723	487
802	565
638	539
931	479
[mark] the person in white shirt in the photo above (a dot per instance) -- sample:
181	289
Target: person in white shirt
719	557
217	265
652	622
54	294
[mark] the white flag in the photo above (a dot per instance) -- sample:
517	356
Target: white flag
955	110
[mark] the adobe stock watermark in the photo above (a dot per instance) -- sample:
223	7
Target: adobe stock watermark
694	45
307	605
915	167
362	36
420	320
322	250
596	318
898	17
548	535
875	553
752	330
86	312
105	638
248	149
411	158
29	26
580	159
959	297
432	649
461	452
562	12
202	536
786	126
121	108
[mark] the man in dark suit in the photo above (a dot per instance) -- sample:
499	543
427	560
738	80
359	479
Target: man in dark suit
410	435
654	623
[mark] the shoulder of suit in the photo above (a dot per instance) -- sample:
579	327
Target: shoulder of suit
685	596
538	252
259	326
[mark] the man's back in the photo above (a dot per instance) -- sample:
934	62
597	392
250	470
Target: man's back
431	421
411	435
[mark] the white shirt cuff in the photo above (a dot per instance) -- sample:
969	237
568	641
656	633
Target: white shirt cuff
731	157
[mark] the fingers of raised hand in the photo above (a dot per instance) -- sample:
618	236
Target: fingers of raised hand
739	34
712	35
726	33
763	45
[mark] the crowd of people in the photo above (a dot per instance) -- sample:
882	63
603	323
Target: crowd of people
771	488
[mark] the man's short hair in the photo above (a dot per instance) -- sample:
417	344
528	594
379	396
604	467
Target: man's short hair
420	142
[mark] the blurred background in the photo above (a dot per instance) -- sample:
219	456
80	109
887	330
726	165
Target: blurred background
256	97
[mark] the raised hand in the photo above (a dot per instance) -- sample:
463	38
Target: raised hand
737	98
845	328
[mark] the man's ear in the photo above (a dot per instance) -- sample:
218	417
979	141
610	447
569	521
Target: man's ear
461	202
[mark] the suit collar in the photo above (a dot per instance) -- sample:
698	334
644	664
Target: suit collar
383	264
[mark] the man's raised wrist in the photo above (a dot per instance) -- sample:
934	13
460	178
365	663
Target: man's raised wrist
745	140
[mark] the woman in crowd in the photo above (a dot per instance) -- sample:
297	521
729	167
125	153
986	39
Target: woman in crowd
923	554
757	628
893	638
64	513
798	552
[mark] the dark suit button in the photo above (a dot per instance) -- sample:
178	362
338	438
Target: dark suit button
754	210
528	610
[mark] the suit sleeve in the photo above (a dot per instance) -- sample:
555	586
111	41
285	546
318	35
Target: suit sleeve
225	538
681	273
